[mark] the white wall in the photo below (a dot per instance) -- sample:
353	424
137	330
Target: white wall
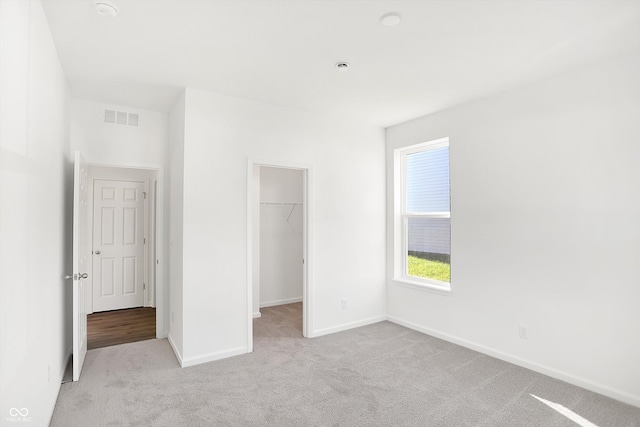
281	228
545	226
114	144
35	172
176	192
146	145
348	262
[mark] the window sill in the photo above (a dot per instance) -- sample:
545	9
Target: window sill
422	286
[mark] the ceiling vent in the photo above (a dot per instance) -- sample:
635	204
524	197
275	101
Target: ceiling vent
121	118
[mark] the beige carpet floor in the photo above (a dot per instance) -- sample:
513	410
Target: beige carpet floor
377	375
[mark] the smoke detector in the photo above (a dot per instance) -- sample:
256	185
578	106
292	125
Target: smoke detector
106	9
342	66
390	19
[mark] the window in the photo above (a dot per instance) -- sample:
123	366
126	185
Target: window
423	215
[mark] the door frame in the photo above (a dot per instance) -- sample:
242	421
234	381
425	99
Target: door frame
307	244
154	222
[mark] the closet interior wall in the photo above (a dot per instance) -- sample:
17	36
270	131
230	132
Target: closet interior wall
281	236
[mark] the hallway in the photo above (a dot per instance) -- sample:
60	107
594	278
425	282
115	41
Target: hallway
115	327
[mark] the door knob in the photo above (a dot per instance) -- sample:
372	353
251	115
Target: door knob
78	276
96	252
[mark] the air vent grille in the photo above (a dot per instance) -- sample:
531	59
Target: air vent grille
121	118
133	119
109	116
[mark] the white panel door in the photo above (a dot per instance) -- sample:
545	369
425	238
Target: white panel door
80	264
118	244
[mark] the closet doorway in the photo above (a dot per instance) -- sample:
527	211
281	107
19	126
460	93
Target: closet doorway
279	258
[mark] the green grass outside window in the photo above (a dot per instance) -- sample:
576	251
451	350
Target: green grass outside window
429	267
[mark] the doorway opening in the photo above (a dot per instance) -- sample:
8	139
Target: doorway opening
115	327
279	302
122	250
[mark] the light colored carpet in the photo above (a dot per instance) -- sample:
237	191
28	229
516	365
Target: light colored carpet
377	375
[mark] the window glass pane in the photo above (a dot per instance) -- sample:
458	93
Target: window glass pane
429	248
428	181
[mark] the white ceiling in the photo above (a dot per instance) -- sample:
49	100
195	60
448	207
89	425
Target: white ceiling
284	51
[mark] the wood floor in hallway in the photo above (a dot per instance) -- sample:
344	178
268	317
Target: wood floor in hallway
115	327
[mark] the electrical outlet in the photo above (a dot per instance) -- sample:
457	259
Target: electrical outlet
522	332
344	304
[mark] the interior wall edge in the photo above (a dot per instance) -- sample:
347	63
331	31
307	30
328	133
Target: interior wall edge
175	349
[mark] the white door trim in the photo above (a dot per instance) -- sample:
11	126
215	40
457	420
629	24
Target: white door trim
161	302
307	244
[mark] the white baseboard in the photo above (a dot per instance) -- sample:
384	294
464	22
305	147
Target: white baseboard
546	370
67	359
347	326
175	349
280	302
197	360
257	314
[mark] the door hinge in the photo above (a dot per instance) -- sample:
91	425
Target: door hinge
144	286
144	240
144	194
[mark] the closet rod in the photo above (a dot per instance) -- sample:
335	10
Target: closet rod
281	204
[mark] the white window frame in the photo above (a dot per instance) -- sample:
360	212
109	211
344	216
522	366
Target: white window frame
401	217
